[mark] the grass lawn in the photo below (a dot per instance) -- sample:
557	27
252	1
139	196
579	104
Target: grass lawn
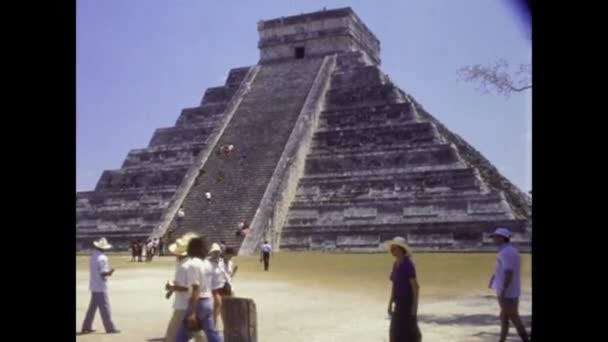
441	275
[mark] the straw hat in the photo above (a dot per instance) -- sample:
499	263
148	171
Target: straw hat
398	241
215	248
180	246
102	244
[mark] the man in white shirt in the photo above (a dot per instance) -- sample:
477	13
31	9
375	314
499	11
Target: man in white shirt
199	314
99	271
265	254
179	286
507	283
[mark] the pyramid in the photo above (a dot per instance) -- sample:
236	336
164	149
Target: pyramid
328	154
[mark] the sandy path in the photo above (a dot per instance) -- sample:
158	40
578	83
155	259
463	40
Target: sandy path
288	312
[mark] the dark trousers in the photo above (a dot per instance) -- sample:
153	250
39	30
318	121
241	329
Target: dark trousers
266	257
404	327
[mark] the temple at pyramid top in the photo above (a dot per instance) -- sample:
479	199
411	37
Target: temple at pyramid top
312	148
316	34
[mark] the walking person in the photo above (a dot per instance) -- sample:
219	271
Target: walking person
99	271
265	255
161	246
199	314
179	286
219	279
144	251
133	251
403	303
141	250
150	250
506	282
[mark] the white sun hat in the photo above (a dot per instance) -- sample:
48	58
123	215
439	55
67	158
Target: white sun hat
215	248
398	241
102	244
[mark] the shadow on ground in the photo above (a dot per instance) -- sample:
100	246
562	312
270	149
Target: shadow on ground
494	336
482	319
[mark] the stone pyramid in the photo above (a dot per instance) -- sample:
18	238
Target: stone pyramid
328	154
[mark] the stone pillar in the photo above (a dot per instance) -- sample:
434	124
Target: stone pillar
240	320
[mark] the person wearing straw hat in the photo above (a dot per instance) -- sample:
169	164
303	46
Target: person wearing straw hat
404	294
507	283
99	271
179	286
199	314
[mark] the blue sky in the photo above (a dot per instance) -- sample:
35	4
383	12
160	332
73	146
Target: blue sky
139	62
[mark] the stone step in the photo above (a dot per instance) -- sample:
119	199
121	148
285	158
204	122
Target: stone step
434	156
209	113
163	155
144	177
472	229
180	135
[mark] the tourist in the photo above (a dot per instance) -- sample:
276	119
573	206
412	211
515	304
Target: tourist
244	229
208	196
149	250
179	286
180	216
219	279
141	251
404	294
230	268
99	271
507	283
199	314
144	251
265	254
161	246
133	251
155	245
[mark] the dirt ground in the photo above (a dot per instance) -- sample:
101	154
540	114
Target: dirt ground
297	310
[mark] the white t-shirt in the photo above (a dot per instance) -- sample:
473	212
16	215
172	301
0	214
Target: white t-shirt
200	272
219	274
181	279
98	264
266	248
508	259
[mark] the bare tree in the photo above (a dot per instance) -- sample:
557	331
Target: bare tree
498	77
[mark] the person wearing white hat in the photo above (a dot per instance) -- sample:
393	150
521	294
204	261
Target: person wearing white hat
507	283
404	294
218	280
179	286
99	271
199	314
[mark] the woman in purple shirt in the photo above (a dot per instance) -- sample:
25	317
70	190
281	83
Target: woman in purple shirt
404	294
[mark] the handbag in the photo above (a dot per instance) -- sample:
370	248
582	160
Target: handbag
226	290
